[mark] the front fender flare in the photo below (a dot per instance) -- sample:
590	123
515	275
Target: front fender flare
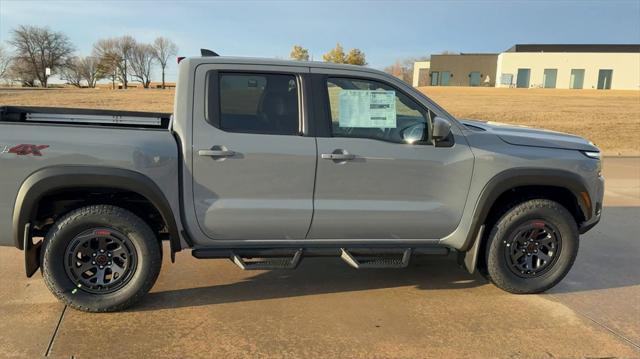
519	177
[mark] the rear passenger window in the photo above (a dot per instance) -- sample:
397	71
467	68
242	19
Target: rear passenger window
258	103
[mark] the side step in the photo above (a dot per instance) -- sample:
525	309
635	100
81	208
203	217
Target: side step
399	260
289	257
267	263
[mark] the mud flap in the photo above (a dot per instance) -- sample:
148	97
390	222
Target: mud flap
471	256
31	252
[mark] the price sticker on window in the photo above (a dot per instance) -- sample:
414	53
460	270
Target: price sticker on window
367	109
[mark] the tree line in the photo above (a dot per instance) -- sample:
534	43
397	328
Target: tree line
122	59
336	55
36	49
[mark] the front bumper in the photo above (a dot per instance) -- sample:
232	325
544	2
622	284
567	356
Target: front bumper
597	200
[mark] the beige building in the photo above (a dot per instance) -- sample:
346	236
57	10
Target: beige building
463	70
421	73
543	66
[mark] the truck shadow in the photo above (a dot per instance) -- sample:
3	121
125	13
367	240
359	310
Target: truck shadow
317	276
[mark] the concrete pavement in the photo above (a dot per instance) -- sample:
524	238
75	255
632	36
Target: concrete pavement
326	309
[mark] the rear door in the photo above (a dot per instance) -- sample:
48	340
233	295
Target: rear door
253	170
379	176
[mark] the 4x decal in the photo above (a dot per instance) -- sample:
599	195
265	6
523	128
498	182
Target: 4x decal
24	149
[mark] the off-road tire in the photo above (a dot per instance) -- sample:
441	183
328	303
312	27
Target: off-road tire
141	239
546	211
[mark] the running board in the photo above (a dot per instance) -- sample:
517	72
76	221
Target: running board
377	261
267	263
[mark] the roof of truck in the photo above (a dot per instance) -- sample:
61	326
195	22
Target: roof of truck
277	62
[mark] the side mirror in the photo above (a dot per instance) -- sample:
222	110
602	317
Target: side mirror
441	129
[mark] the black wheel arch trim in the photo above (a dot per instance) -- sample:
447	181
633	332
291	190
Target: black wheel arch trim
55	178
519	177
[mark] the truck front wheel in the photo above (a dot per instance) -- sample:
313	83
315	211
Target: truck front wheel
532	247
100	258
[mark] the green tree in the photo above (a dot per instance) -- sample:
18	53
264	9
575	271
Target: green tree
356	57
336	55
299	53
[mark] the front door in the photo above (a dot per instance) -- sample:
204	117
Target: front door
577	79
604	79
522	81
549	78
379	176
444	78
253	173
435	78
474	78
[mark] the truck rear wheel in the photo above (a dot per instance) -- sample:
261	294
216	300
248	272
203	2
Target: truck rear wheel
100	258
532	247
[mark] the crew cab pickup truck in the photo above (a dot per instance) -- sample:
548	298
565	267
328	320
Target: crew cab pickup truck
266	162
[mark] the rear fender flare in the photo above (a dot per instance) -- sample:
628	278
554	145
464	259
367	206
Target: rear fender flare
50	179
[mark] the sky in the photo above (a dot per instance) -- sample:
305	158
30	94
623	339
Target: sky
385	30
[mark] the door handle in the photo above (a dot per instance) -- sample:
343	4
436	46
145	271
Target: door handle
338	156
216	153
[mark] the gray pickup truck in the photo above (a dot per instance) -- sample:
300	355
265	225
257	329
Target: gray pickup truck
266	162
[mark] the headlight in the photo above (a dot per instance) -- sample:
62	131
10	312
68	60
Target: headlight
591	154
596	156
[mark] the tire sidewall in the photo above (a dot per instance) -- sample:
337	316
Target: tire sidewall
507	226
138	234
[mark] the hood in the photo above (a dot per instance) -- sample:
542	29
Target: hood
527	136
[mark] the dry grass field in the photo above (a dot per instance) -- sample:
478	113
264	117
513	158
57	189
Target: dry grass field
611	119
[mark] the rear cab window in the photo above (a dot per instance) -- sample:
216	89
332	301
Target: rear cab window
260	103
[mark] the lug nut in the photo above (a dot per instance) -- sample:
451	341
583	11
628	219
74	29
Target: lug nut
108	254
109	263
94	254
102	251
93	262
101	267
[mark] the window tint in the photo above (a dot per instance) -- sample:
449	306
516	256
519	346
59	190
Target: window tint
259	103
369	109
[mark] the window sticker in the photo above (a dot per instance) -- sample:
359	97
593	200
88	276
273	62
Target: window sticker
367	109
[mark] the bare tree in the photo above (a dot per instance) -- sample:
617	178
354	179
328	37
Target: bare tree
71	72
403	69
107	54
115	56
20	71
90	70
163	49
5	61
142	60
38	48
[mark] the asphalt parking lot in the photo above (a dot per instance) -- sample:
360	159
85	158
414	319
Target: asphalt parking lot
326	309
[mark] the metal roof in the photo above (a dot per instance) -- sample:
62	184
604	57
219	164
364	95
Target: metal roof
616	48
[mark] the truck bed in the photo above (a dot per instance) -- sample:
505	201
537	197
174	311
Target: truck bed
84	116
37	138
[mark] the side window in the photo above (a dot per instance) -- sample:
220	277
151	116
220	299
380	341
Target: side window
370	109
258	103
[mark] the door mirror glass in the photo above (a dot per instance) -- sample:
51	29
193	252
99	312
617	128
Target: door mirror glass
413	134
441	129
